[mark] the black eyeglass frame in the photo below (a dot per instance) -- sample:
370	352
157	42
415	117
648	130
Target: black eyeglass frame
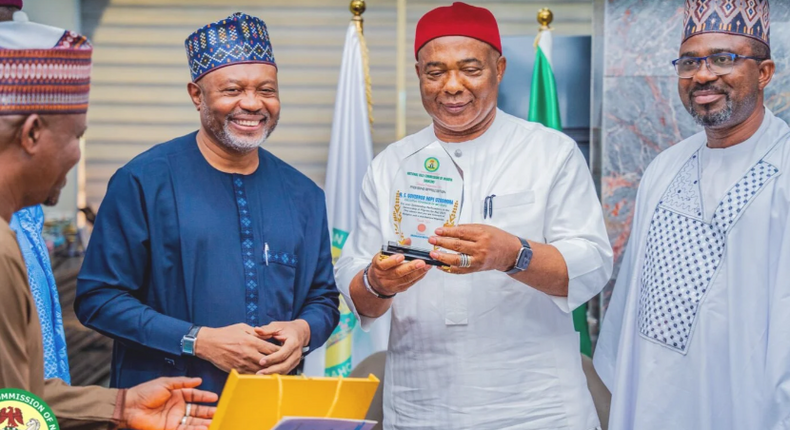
732	56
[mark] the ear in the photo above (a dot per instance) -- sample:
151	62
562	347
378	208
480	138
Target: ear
195	93
30	133
501	65
767	69
417	69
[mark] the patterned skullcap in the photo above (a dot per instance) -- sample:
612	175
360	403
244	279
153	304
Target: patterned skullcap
43	69
237	39
460	19
741	17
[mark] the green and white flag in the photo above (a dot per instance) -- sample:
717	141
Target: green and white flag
544	108
350	153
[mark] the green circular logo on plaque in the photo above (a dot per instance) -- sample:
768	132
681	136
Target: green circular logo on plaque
432	164
21	410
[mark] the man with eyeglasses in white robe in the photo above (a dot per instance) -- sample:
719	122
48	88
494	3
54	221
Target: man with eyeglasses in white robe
697	334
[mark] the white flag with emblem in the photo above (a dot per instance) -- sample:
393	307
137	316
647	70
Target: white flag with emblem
350	153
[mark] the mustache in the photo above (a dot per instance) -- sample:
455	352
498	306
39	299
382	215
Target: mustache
707	87
244	112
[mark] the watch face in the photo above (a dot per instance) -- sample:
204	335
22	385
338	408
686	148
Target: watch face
189	345
524	258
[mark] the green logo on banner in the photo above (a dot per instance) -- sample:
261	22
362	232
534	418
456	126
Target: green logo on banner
432	164
338	240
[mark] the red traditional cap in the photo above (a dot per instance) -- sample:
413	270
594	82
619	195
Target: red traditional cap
13	3
460	19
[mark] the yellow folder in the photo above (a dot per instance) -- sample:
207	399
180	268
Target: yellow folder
260	402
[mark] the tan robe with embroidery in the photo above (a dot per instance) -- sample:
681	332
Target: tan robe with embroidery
22	353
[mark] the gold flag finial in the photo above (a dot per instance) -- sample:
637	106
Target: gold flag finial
545	17
357	7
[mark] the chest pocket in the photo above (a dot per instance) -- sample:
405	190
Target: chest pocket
513	200
278	257
510	212
280	283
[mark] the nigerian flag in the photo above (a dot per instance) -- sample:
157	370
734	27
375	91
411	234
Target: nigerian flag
544	108
543	104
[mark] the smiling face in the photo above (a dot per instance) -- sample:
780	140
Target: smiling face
459	83
239	105
727	100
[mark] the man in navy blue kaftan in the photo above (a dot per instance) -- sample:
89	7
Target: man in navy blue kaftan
209	253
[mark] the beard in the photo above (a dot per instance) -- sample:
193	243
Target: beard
733	111
712	119
52	199
230	140
54	194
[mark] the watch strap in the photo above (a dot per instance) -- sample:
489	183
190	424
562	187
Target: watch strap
193	332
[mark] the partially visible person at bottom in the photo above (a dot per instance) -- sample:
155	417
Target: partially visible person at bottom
42	117
697	333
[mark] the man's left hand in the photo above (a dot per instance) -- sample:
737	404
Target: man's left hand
488	248
293	335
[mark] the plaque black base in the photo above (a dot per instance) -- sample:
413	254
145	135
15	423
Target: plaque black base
410	253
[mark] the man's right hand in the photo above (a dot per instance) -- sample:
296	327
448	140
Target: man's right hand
233	347
391	276
168	404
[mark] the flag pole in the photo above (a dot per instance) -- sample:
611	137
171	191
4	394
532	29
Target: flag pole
400	72
350	151
357	8
548	104
545	17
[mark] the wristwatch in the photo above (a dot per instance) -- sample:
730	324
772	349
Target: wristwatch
188	341
370	288
523	259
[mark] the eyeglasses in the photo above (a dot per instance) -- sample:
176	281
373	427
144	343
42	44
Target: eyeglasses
719	64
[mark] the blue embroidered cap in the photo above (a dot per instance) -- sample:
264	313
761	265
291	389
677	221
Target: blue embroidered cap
742	17
237	39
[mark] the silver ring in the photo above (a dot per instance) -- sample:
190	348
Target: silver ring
466	261
189	408
184	420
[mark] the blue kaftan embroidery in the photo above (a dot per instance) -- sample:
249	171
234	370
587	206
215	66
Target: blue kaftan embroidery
247	252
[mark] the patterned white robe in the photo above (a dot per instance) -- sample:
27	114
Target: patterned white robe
697	334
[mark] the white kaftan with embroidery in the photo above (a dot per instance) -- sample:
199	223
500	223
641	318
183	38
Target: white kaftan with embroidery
697	334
